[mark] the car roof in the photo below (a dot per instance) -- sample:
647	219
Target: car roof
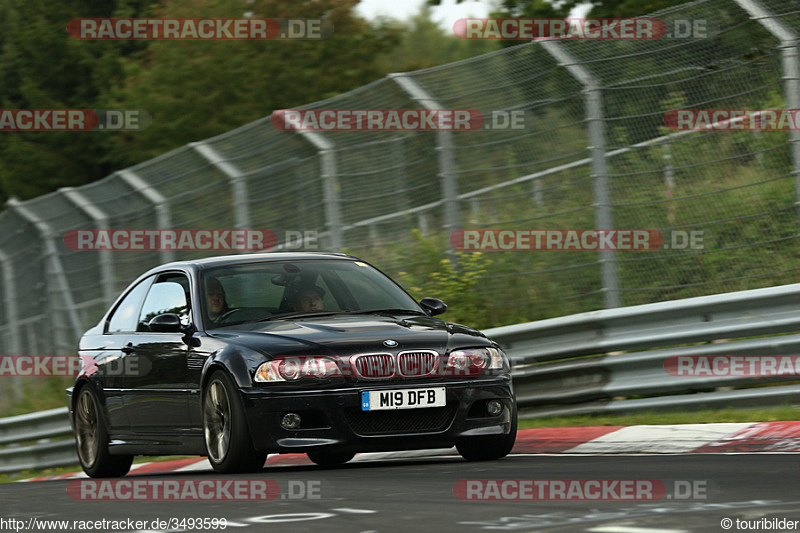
206	262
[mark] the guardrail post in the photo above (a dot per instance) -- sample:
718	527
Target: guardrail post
790	56
237	179
597	145
104	257
447	162
56	278
330	179
163	217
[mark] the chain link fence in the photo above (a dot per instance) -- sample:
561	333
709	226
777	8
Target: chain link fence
594	154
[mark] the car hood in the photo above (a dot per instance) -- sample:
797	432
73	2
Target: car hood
348	334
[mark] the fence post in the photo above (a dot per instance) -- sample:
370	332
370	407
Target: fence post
447	162
597	145
538	196
791	74
330	183
669	182
237	179
104	257
10	303
163	218
56	279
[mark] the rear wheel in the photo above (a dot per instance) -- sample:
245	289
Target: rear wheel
330	458
228	443
489	448
91	438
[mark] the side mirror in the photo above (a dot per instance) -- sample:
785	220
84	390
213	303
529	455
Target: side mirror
166	323
433	306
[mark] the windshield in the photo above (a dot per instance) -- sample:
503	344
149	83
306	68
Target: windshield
251	292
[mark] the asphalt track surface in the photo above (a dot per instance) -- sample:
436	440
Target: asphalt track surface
418	495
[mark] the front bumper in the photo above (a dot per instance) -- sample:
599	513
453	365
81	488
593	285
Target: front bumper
334	418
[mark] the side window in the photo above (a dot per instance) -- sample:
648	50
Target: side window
169	294
125	316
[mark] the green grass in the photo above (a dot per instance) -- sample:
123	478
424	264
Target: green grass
771	414
28	474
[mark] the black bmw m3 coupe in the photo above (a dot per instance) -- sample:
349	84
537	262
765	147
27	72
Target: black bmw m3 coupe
238	357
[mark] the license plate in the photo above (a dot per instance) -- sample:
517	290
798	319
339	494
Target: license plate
377	400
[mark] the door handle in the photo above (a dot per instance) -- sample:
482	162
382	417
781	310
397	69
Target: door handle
128	349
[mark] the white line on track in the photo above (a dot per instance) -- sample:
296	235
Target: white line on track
629	529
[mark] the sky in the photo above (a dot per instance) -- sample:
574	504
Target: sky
445	14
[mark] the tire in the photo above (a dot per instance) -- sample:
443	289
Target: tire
330	458
489	448
228	444
91	438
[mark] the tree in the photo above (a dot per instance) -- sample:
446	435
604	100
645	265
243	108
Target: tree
192	89
424	44
41	67
198	89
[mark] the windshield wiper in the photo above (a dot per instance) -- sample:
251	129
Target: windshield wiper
311	314
389	312
299	314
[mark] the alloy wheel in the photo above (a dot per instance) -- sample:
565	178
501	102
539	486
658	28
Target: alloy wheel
217	421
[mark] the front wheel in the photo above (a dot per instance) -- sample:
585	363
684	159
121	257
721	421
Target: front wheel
91	439
330	458
228	443
489	448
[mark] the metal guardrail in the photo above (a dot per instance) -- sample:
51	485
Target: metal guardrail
596	362
44	427
769	311
578	364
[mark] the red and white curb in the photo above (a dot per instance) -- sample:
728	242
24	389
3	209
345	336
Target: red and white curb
743	437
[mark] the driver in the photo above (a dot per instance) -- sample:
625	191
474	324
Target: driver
310	299
215	299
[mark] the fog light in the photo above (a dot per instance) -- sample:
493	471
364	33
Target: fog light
494	407
290	421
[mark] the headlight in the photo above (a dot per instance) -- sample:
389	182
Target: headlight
499	360
287	369
473	361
